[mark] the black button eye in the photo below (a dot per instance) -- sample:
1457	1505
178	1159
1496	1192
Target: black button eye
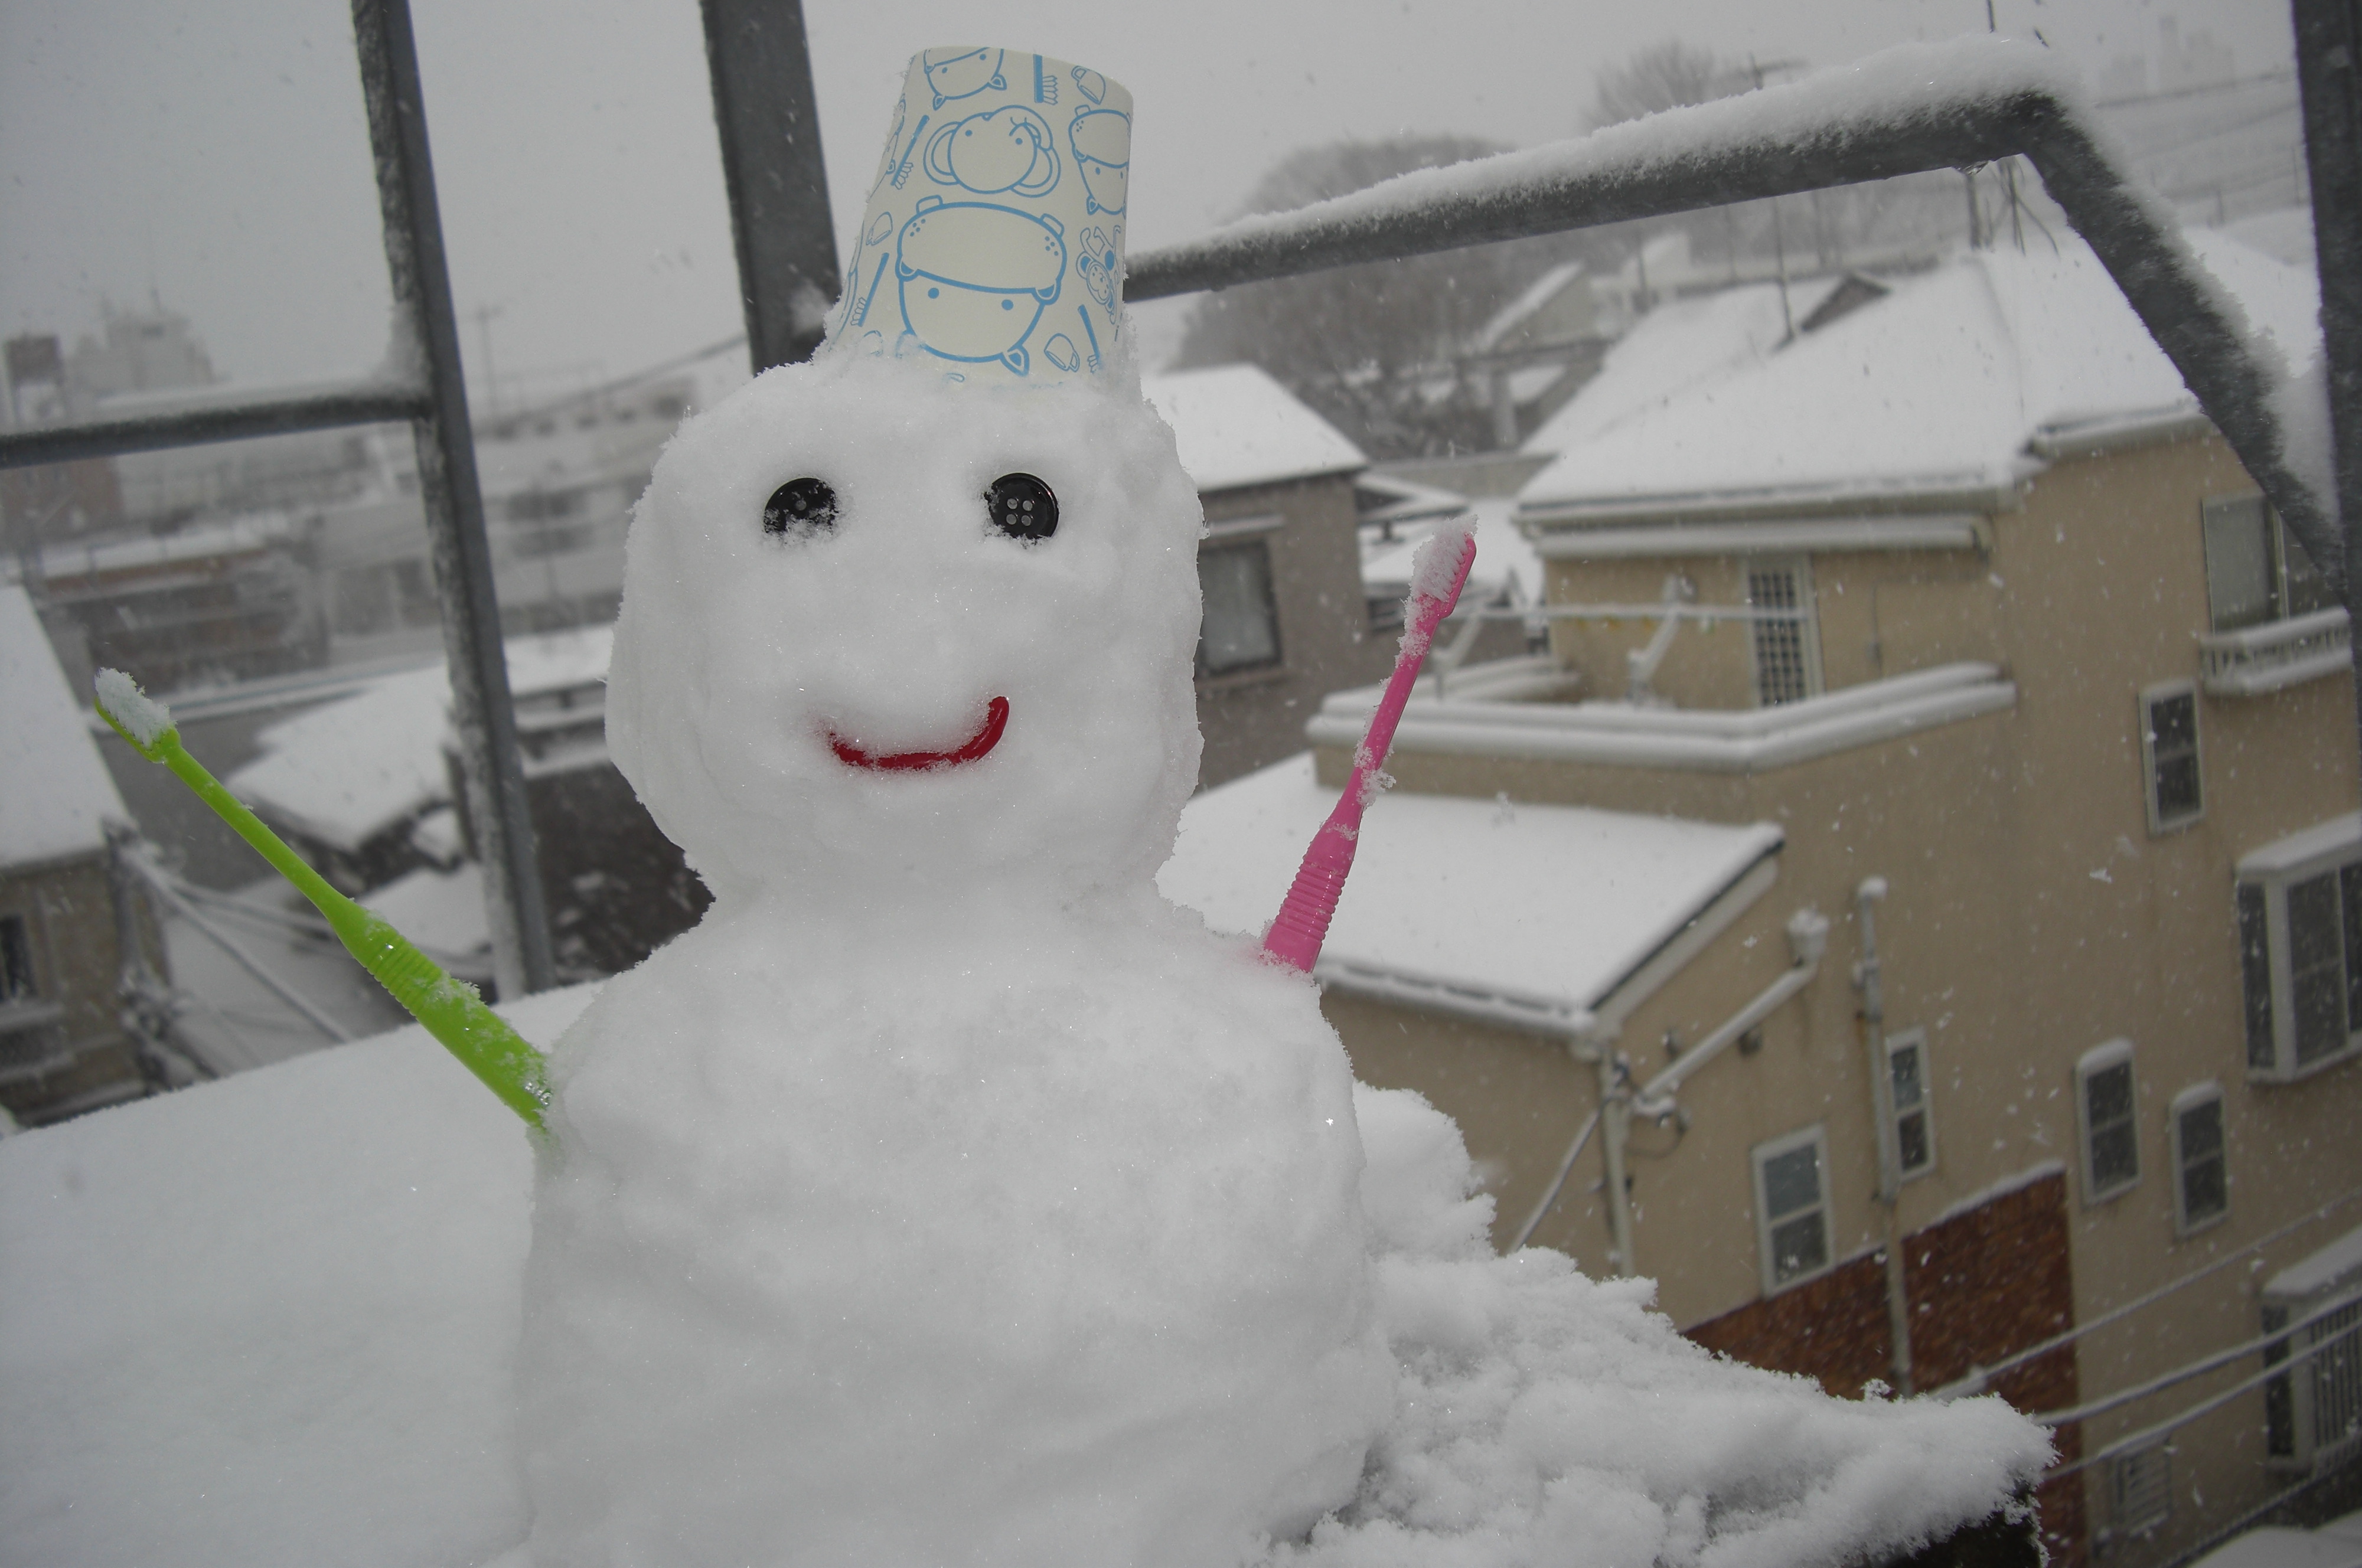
1022	507
800	508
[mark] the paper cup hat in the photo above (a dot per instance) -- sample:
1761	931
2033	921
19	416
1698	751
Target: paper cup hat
993	238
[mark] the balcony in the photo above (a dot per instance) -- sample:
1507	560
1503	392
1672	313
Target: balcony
2276	654
1507	710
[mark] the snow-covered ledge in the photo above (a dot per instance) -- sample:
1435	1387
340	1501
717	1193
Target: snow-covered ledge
2276	654
1474	719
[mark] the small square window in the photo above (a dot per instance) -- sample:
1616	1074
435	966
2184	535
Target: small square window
2201	1190
2170	755
2105	1104
1792	1208
1914	1131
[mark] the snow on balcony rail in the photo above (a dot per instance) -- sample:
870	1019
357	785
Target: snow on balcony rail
2276	654
1620	735
1903	111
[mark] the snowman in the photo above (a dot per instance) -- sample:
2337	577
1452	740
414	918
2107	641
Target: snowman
946	1196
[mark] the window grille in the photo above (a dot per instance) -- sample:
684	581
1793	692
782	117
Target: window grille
2104	1102
1241	629
2201	1187
2313	1413
2170	768
1915	1127
2141	1490
1787	661
1792	1208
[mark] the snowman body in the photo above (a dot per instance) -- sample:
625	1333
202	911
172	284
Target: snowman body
945	1196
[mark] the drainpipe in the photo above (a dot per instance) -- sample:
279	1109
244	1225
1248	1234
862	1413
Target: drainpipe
1867	896
1615	1126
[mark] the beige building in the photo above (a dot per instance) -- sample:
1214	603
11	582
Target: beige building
1913	911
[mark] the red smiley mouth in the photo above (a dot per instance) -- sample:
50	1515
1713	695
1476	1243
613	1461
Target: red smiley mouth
996	719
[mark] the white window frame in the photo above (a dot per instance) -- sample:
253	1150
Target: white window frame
1808	625
2150	696
1896	1044
2195	1097
1817	1138
2099	1059
2269	981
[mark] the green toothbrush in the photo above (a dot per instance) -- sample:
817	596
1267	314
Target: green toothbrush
450	1008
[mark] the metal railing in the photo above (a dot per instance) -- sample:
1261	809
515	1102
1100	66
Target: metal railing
1907	111
423	387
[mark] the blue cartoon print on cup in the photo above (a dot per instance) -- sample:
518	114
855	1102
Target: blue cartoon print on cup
1100	266
975	277
1102	142
1010	148
961	73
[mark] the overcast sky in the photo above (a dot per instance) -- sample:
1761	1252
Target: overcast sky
213	150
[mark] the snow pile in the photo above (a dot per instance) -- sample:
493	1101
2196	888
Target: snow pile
269	1322
272	1321
1543	1417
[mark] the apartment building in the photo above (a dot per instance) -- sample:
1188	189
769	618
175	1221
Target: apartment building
1914	909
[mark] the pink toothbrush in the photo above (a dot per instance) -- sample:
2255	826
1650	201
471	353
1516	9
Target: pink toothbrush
1438	572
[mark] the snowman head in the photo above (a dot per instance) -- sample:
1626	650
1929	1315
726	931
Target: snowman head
888	637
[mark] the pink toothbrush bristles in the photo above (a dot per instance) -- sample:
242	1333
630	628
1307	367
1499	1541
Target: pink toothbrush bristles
1438	573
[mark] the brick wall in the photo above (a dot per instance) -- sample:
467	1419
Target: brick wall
1983	1285
1986	1284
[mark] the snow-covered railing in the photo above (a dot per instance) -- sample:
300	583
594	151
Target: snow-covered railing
2256	659
1904	111
1708	741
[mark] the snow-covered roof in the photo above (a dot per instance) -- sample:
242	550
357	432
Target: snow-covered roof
344	772
1941	388
1538	293
1673	347
1550	908
1237	427
56	791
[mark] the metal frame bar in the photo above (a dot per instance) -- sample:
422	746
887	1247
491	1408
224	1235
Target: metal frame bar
2328	47
1941	106
434	400
764	108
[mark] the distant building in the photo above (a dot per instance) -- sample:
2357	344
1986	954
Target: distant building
64	918
1287	621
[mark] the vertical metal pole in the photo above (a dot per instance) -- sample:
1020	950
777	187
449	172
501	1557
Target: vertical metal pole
2328	57
770	162
488	762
